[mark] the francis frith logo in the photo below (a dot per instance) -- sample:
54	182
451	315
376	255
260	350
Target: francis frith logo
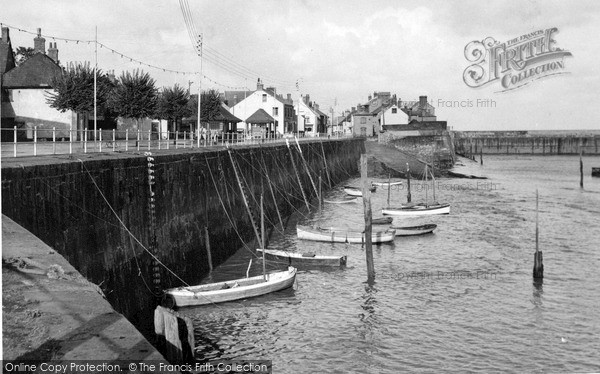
516	62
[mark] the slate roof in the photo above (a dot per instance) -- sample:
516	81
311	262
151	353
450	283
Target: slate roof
260	117
226	116
36	72
234	97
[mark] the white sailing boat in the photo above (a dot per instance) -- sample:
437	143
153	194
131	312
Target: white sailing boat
419	209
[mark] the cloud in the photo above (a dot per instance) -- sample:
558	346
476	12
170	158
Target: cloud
340	49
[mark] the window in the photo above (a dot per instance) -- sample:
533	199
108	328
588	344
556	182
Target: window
264	98
363	120
394	110
275	111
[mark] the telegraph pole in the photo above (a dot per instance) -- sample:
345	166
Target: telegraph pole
199	90
299	100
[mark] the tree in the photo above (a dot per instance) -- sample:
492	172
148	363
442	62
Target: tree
22	54
173	105
135	96
74	90
211	101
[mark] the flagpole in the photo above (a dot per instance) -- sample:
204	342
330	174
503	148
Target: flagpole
95	84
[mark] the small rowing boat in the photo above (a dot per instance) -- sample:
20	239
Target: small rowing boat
382	221
237	289
300	259
356	191
342	235
414	230
386	184
343	201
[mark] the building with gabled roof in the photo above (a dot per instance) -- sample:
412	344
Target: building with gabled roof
279	108
25	89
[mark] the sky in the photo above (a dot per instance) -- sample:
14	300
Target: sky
337	51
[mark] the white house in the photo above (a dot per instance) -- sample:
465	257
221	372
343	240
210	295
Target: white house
393	115
281	109
308	117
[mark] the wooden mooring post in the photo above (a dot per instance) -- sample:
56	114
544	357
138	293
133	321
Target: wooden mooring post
389	188
408	183
208	253
366	192
580	166
538	263
175	335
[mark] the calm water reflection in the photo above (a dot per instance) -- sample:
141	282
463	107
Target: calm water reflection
459	300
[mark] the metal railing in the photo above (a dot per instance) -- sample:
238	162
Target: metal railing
43	141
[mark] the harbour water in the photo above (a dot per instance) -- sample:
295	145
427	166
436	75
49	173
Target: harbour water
459	300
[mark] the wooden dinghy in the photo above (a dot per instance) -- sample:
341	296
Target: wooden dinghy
356	191
342	235
414	230
343	201
382	221
417	210
231	290
386	184
300	259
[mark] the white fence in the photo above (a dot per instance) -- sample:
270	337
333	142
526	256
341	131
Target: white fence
34	142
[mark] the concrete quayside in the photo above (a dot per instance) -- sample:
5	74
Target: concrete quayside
110	215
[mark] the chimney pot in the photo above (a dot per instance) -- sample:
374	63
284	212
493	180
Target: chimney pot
53	52
39	43
5	34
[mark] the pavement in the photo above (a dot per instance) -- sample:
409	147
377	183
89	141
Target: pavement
50	312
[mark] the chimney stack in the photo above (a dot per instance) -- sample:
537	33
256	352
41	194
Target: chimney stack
289	97
53	52
259	85
422	102
39	43
5	35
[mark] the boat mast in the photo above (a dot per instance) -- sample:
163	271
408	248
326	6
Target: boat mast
433	180
426	199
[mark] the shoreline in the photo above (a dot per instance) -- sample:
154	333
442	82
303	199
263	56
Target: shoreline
67	317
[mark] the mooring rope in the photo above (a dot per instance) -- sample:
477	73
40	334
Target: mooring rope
127	229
